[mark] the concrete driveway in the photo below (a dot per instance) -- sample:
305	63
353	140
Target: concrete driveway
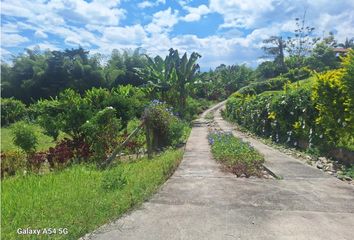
200	201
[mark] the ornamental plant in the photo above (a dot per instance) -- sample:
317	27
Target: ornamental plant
333	94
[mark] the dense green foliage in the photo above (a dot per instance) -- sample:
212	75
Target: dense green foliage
313	113
219	84
164	128
24	137
36	74
80	198
238	156
12	110
101	132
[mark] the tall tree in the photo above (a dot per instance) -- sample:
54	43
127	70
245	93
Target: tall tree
300	45
275	46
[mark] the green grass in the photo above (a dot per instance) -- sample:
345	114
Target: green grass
44	141
80	198
238	157
209	116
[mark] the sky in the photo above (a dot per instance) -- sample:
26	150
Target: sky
222	31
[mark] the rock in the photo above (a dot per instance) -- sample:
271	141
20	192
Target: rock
339	172
341	177
347	178
329	172
319	165
243	175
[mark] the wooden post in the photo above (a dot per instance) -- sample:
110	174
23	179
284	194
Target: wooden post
118	149
148	139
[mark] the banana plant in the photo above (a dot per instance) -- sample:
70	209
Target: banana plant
186	70
159	75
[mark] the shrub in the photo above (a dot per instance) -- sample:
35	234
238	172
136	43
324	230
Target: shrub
178	132
158	117
101	132
128	101
268	85
74	112
12	110
284	116
238	156
194	107
67	150
35	161
47	116
297	74
333	93
11	163
24	137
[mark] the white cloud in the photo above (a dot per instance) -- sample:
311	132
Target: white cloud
12	40
44	46
148	4
124	35
40	34
163	21
195	13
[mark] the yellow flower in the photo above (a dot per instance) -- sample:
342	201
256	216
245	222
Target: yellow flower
272	115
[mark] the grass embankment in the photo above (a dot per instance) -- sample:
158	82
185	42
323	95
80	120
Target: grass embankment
44	141
80	198
239	157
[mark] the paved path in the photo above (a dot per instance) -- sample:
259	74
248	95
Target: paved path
202	202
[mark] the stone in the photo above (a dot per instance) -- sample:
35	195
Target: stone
319	165
347	178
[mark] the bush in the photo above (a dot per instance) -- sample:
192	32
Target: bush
158	118
101	132
195	107
333	94
305	115
178	132
11	163
268	85
12	110
47	116
238	156
297	74
24	137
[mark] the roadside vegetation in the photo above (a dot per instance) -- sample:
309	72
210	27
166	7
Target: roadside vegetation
306	101
238	157
81	197
76	133
314	114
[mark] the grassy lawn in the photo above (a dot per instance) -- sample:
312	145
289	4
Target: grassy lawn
80	198
44	141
